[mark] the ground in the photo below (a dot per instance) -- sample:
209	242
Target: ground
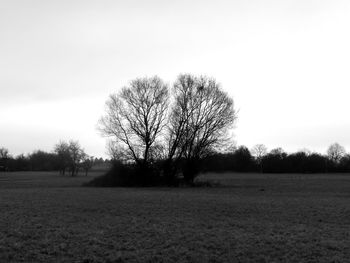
45	217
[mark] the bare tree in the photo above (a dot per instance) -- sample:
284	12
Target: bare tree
70	155
62	151
259	151
4	153
201	118
4	156
335	152
76	154
86	163
136	116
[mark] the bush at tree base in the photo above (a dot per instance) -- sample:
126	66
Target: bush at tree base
127	175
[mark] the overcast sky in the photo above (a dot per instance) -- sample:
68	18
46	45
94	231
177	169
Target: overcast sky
285	63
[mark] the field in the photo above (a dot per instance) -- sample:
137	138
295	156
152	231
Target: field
247	218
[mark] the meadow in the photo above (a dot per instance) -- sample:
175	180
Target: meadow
45	217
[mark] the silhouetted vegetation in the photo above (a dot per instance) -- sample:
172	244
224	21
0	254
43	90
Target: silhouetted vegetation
65	157
36	161
72	158
199	123
122	174
169	135
237	160
4	159
276	161
151	125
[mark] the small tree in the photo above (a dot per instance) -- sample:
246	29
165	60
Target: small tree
76	154
243	159
69	155
274	161
87	163
4	157
335	152
62	151
259	151
4	153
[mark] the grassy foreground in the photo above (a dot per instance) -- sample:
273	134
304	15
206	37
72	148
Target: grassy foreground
249	218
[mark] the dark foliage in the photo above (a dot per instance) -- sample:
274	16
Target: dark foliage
276	161
128	175
190	169
42	161
240	160
243	160
37	161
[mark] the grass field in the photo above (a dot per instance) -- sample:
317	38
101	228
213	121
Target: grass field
248	218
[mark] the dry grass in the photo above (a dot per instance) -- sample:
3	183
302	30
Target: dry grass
250	218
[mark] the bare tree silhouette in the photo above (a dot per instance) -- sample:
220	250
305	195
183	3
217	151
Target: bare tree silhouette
86	163
4	156
335	152
70	155
76	154
62	151
259	151
199	121
4	153
135	118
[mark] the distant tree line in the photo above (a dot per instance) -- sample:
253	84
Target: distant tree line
277	161
241	159
67	158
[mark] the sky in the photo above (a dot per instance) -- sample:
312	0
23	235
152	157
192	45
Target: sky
285	63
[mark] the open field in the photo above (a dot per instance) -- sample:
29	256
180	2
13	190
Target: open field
249	218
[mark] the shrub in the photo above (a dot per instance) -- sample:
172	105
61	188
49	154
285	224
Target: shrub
127	175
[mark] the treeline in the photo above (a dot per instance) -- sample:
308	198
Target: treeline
36	161
277	161
67	158
167	135
241	159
